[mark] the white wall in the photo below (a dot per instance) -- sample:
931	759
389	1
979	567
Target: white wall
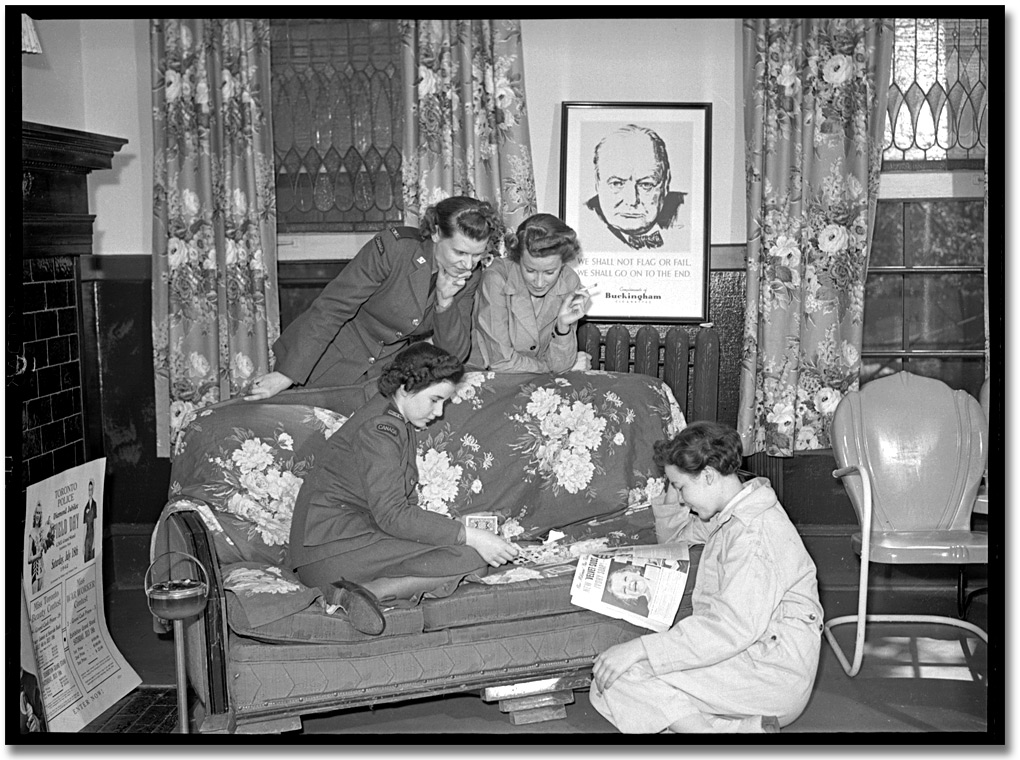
118	102
640	60
93	75
52	86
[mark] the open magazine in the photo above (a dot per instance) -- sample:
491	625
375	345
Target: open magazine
642	585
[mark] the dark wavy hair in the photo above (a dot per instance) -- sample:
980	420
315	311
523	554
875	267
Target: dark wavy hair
475	219
699	445
418	366
543	235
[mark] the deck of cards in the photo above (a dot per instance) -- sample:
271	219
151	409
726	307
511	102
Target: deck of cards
487	522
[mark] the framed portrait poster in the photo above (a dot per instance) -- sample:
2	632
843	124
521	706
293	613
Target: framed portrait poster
635	185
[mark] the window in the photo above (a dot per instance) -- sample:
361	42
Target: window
924	296
337	124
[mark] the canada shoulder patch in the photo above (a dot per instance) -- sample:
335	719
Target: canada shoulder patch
386	427
379	245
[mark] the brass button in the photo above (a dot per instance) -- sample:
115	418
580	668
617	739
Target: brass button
371	360
400	334
414	322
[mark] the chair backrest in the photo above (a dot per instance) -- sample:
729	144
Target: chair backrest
924	446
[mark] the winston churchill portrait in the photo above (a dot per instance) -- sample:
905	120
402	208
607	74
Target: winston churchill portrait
633	203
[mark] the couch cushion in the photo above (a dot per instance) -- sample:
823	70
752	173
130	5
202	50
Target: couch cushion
312	625
477	603
266	593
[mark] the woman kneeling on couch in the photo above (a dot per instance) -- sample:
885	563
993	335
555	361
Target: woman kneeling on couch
357	531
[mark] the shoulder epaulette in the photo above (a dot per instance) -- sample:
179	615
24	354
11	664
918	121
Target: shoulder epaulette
401	233
398	233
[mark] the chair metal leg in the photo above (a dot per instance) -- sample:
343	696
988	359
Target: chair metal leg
862	618
963	599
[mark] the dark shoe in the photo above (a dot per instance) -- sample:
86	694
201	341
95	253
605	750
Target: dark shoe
770	724
360	606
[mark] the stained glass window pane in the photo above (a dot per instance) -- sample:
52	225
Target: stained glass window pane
337	124
937	109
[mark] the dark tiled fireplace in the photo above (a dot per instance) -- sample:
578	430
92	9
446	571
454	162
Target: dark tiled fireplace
44	321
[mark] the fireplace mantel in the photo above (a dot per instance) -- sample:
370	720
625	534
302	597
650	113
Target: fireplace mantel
55	164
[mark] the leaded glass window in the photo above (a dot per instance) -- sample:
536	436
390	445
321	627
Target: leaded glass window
337	124
938	97
924	295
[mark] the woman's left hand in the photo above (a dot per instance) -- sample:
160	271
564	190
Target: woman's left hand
616	661
448	284
573	308
494	549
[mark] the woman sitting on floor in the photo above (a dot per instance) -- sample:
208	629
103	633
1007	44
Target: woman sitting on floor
357	531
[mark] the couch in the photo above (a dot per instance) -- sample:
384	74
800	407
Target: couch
268	650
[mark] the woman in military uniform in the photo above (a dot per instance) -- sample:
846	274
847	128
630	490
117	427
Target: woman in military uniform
357	530
404	285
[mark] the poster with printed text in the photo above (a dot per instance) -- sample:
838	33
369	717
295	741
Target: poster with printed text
81	672
635	186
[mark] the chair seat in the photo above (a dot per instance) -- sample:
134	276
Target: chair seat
951	547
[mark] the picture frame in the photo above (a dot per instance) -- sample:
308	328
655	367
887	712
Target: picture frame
644	229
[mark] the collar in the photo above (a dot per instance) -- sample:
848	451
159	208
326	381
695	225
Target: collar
391	410
748	511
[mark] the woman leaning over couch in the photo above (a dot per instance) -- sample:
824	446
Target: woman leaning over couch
528	304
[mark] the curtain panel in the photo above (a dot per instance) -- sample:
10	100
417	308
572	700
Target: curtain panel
815	92
466	122
215	306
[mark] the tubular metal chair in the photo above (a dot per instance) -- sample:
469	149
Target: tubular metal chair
910	452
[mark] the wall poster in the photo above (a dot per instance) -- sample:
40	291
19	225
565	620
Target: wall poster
635	185
81	673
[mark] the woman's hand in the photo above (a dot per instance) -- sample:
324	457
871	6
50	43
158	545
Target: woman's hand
583	361
616	661
572	309
268	385
448	284
494	550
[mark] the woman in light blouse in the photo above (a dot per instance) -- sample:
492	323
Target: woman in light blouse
528	304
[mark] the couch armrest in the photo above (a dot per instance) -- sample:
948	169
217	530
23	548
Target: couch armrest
210	647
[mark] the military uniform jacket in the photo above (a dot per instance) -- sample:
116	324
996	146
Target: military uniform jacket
509	336
370	311
362	490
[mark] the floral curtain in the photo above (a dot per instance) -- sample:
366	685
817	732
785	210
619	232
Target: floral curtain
815	93
466	130
215	306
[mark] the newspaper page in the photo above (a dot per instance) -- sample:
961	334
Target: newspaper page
81	672
642	585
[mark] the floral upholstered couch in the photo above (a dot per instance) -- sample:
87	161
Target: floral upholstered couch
570	453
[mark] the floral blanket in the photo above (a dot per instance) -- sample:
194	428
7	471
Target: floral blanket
546	451
533	451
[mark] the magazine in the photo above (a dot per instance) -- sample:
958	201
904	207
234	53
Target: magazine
642	585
